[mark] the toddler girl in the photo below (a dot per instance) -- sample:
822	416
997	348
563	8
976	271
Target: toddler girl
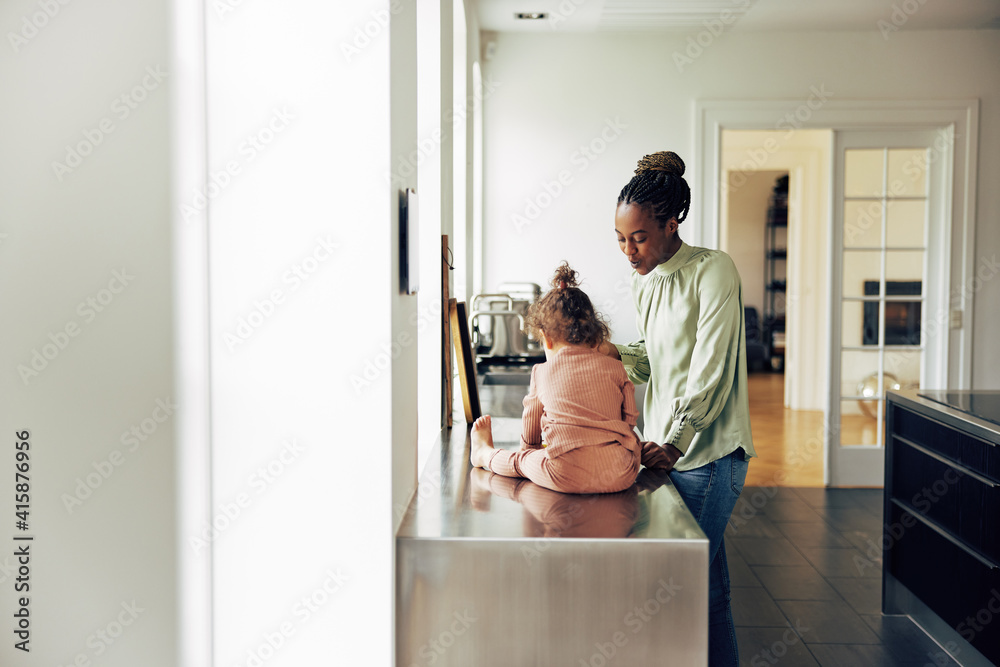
580	403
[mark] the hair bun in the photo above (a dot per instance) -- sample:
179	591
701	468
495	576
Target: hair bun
564	277
667	161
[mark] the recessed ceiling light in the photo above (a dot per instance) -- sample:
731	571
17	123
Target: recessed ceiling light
530	16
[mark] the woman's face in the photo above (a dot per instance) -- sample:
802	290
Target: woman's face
643	241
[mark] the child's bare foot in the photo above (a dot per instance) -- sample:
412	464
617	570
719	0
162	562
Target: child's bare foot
482	442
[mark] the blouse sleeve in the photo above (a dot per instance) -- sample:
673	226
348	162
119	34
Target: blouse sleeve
715	357
531	418
635	360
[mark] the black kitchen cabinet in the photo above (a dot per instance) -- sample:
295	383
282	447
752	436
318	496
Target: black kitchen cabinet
941	529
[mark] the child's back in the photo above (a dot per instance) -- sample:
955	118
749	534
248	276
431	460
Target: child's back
580	403
579	398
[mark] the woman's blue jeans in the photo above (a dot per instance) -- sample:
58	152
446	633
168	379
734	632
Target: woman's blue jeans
710	492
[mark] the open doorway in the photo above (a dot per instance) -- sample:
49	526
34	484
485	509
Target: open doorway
774	224
757	240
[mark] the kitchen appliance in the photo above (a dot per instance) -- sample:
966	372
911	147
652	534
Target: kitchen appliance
504	350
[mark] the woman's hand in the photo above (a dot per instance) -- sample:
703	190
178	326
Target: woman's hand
655	456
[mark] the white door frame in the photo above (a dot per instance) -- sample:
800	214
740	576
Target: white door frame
961	116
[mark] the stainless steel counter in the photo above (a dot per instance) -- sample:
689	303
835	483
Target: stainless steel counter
494	571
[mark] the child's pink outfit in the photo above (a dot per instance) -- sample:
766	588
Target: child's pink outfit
582	405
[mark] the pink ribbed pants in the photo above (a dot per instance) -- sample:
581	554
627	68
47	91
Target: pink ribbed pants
604	468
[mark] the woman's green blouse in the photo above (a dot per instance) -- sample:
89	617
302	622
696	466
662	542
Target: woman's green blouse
692	354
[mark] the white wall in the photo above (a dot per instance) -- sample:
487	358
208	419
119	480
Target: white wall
310	225
746	217
64	236
560	92
295	243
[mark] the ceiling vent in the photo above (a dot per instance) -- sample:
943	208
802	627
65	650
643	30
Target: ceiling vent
677	14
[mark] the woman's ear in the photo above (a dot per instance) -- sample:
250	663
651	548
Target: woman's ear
546	341
671	226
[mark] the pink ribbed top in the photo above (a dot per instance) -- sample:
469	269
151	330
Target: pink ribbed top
579	398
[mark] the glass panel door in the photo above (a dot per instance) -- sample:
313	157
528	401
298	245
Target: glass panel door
886	214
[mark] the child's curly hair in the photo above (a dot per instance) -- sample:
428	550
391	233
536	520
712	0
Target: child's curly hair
565	313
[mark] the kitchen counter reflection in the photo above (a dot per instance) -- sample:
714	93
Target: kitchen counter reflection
551	514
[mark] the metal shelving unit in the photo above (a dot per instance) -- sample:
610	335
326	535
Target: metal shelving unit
775	272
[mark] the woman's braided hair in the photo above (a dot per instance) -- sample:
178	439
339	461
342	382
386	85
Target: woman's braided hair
565	313
659	185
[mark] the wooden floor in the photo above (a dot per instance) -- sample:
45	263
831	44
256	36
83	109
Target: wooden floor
789	443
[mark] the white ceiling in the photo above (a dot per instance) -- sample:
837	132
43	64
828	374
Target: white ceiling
749	15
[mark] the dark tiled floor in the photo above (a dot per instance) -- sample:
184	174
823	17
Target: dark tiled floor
805	568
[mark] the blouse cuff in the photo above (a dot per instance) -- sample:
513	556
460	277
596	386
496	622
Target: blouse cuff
681	434
628	356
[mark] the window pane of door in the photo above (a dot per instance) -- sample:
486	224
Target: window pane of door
904	265
902	369
863	173
858	371
908	172
859	422
863	223
906	222
856	329
862	270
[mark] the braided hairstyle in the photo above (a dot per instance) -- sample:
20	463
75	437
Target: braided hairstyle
565	313
659	185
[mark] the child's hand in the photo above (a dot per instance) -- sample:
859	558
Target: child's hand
610	350
655	456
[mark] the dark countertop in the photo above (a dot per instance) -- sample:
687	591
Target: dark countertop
929	403
981	404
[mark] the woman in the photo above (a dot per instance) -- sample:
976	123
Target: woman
692	353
